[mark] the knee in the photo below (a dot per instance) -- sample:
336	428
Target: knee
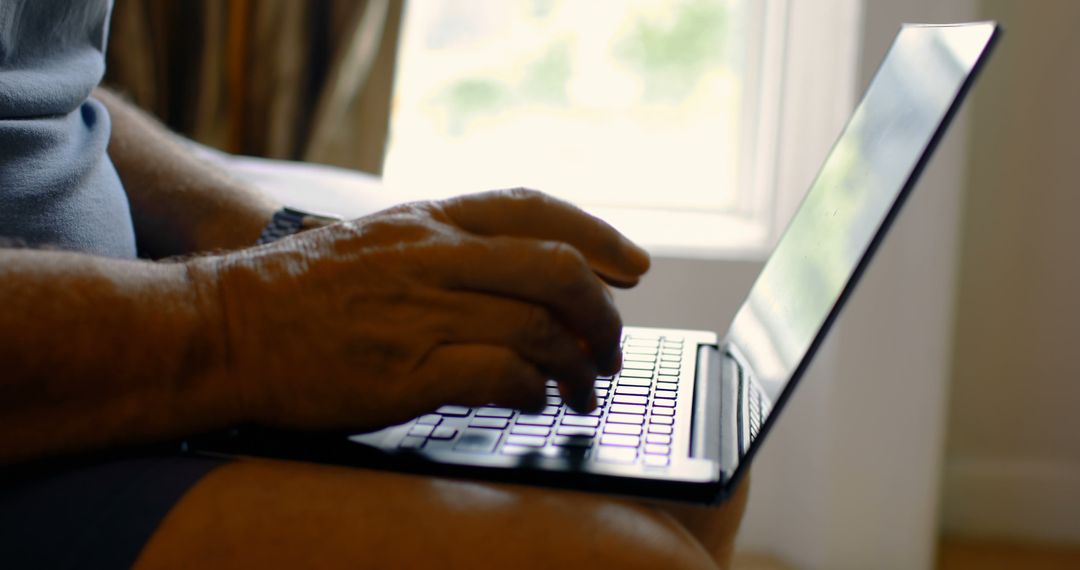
278	514
605	532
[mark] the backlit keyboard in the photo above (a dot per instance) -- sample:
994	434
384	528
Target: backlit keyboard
635	419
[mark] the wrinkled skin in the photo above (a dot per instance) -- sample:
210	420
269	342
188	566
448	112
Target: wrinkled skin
473	300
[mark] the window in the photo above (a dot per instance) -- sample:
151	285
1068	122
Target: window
662	116
644	106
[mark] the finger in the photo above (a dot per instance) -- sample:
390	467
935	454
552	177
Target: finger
531	331
477	374
528	213
551	274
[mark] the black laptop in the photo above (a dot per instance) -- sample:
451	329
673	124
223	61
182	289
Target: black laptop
689	410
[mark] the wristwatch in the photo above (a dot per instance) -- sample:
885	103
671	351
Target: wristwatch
288	221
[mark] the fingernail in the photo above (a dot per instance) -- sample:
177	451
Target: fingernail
638	257
586	403
614	363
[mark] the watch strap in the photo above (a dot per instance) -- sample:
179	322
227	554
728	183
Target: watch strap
285	222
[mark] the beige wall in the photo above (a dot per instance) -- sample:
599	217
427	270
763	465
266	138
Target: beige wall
1013	452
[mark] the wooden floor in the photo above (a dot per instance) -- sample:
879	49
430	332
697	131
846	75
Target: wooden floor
955	554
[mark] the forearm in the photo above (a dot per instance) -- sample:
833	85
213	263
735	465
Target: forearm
101	352
180	203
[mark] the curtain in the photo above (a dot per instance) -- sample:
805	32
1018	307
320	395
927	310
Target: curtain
299	80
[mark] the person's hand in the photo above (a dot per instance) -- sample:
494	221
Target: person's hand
474	300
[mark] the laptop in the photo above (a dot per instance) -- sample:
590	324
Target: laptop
689	410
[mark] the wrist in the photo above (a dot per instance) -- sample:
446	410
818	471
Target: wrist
224	390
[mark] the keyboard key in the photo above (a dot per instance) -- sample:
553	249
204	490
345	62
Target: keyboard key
625	419
616	454
530	420
595	412
455	411
665	385
659	420
624	429
625	399
602	384
627	409
668	375
477	441
657	460
662	403
620	440
580	421
632	391
601	392
443	432
640	350
552	391
661	429
554	401
577	430
494	413
654	449
551	410
663	411
571	441
529	440
669	368
671	358
658	438
411	442
490	423
635	365
430	419
530	430
665	394
635	374
642	382
518	449
421	430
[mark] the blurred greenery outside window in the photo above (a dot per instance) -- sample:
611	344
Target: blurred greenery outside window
642	104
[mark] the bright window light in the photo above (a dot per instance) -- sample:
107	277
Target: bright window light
608	103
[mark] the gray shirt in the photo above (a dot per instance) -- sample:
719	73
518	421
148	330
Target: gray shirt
57	185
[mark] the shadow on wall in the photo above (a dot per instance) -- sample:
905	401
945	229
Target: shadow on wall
1013	459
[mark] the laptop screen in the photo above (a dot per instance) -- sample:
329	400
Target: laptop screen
870	168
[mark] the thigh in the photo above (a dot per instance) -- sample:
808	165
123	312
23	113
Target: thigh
263	513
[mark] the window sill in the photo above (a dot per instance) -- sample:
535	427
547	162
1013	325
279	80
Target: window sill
349	193
691	235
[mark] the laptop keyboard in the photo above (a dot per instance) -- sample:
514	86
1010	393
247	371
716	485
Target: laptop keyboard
634	420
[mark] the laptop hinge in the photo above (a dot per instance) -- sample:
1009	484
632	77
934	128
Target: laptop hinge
705	435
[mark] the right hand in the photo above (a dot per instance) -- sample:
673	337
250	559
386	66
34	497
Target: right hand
473	300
